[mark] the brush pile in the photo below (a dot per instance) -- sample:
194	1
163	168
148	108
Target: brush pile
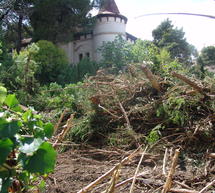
176	107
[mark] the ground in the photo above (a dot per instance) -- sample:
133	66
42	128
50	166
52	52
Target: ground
77	168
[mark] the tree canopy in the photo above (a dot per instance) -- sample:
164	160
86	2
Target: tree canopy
207	56
172	39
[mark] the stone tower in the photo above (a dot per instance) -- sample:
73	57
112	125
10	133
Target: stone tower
109	24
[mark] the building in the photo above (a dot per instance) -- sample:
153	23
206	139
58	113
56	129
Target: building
109	24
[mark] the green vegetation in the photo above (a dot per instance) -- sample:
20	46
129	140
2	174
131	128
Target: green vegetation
113	102
25	152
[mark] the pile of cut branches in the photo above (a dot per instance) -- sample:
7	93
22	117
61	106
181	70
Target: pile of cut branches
177	107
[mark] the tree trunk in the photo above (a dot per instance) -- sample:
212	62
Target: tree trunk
19	31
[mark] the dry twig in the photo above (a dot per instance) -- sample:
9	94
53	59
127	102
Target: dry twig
60	120
110	172
137	170
182	191
208	186
164	161
64	132
168	184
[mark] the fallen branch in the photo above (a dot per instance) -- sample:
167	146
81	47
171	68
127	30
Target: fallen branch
137	170
211	155
183	185
60	120
208	186
164	161
189	82
151	78
168	184
110	172
64	132
145	181
182	191
125	116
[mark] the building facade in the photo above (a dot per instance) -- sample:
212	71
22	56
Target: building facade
109	24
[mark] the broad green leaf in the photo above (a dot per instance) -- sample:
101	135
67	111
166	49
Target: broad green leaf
43	161
4	173
30	145
8	129
5	184
11	101
3	94
6	146
27	116
48	129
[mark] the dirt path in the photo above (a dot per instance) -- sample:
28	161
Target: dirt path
76	169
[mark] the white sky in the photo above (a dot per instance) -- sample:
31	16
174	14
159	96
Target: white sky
199	31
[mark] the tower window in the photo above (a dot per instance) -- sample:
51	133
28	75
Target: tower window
80	57
88	55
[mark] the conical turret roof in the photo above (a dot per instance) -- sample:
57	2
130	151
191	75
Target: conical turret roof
109	6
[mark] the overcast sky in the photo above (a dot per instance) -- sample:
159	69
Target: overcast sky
199	31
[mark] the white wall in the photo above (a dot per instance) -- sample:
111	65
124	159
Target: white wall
107	29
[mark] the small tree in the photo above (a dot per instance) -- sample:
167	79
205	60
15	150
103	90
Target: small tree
117	54
144	51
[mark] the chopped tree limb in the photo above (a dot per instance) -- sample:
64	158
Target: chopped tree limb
151	78
211	155
168	184
110	172
189	82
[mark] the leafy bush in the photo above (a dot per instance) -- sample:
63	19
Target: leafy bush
84	68
52	63
25	152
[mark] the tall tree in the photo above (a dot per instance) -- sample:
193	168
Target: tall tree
14	18
172	39
57	20
207	56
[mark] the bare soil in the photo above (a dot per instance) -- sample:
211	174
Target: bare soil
77	168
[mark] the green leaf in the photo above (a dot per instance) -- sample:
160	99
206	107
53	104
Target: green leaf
48	129
6	146
11	101
27	116
8	129
4	185
3	94
30	145
43	161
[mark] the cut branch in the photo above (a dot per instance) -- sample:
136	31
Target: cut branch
110	172
189	82
168	184
151	78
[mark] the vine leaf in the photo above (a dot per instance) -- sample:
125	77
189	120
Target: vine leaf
3	94
30	145
11	101
48	130
8	129
6	146
4	185
43	160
